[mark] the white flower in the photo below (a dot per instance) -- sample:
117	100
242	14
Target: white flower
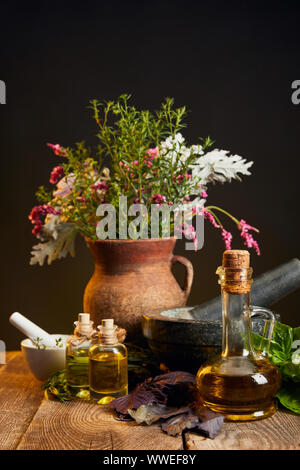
197	149
296	357
173	149
217	165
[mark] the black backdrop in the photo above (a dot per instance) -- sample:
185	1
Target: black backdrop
230	63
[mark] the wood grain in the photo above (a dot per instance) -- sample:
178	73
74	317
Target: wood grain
279	432
20	397
81	425
27	422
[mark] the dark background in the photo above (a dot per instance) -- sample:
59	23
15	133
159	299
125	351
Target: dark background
230	63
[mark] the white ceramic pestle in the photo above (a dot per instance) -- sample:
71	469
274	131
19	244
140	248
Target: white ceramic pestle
31	330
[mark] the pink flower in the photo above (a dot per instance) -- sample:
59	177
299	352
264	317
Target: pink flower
56	174
247	237
158	199
190	232
102	186
136	162
204	194
207	215
227	237
58	149
37	212
152	153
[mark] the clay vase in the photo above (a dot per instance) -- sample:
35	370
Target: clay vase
133	278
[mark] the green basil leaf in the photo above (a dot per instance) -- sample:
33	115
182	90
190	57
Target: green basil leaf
289	397
290	371
281	345
296	333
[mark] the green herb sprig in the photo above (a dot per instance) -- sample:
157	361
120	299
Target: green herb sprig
284	353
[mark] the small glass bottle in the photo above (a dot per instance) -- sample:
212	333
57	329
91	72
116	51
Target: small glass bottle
241	383
108	367
77	353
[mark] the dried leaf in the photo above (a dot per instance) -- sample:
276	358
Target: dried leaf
151	413
56	247
180	423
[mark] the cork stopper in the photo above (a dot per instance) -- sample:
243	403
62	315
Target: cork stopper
235	272
236	259
84	318
107	331
84	325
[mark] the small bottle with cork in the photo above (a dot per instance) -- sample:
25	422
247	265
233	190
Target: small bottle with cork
77	353
108	365
241	383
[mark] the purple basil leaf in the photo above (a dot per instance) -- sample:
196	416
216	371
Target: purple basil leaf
174	378
133	401
210	428
156	390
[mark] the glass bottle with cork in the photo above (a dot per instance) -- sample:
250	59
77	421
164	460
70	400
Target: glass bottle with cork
241	383
77	353
108	365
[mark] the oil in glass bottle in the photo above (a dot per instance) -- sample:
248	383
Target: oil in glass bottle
241	383
108	365
77	353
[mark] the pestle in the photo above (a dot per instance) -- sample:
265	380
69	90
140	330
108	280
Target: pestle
31	330
267	288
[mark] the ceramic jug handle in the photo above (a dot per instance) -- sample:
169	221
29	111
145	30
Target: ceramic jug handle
269	324
189	273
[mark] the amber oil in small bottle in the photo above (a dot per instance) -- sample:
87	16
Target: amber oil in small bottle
77	353
108	365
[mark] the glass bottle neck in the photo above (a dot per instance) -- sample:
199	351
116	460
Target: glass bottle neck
236	339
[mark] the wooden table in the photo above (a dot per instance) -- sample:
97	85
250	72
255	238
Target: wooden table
28	421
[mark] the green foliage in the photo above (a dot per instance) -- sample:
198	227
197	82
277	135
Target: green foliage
43	195
57	386
125	132
283	353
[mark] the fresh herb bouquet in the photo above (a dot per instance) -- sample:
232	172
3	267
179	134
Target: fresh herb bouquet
141	155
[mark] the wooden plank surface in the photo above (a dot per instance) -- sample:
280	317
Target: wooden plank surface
80	425
279	432
27	421
20	398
